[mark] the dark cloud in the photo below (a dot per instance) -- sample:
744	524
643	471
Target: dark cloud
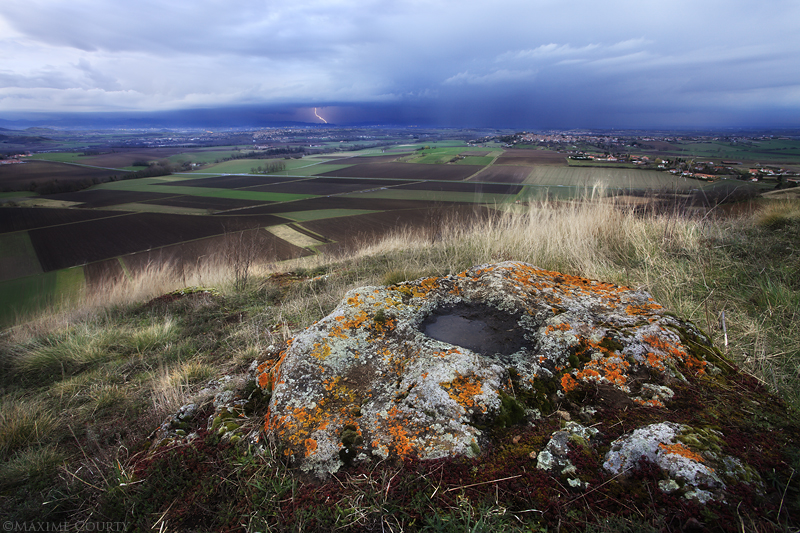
524	63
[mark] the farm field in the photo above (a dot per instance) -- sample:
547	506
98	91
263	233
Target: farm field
230	181
476	196
503	174
786	151
64	246
318	204
614	178
319	214
99	198
459	186
211	192
349	202
25	218
532	157
21	176
406	171
475	160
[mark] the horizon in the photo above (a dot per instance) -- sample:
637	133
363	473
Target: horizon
526	65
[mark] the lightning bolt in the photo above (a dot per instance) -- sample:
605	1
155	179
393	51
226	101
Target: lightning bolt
319	117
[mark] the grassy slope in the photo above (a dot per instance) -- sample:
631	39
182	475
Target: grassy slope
82	389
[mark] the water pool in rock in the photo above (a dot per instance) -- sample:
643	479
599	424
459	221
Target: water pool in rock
477	327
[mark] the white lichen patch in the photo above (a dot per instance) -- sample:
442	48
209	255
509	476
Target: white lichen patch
688	456
553	458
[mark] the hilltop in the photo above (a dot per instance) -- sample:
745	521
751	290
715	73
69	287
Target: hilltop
85	388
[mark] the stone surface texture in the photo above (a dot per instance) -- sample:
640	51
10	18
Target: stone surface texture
367	383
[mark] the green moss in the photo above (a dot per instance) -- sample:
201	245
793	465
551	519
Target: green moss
350	440
474	448
380	318
535	395
578	440
611	344
511	411
701	440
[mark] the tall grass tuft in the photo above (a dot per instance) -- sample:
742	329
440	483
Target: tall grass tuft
23	422
67	352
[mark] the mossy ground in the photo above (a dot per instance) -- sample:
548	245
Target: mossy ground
84	403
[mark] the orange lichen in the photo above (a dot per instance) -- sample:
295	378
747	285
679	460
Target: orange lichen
568	383
679	449
399	431
609	369
445	353
339	330
425	286
385	326
666	350
649	403
645	309
558	327
311	446
268	372
321	351
463	389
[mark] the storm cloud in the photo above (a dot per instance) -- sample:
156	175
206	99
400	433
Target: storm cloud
528	64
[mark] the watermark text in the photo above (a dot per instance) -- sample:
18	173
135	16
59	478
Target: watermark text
64	526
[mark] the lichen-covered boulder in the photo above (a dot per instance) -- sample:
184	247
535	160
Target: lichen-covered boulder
555	456
690	458
428	368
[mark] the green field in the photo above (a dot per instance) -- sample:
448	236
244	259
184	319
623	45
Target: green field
17	255
296	167
552	176
203	157
19	194
436	155
598	164
60	157
22	296
778	150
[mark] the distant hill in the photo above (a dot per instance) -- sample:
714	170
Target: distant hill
40	130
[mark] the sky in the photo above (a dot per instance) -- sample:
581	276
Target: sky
526	64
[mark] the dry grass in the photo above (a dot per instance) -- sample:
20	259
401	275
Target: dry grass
24	422
680	260
112	362
173	387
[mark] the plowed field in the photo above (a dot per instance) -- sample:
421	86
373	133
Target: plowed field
20	176
265	245
24	218
459	186
531	157
341	202
125	158
84	242
349	232
406	171
199	202
504	174
94	198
